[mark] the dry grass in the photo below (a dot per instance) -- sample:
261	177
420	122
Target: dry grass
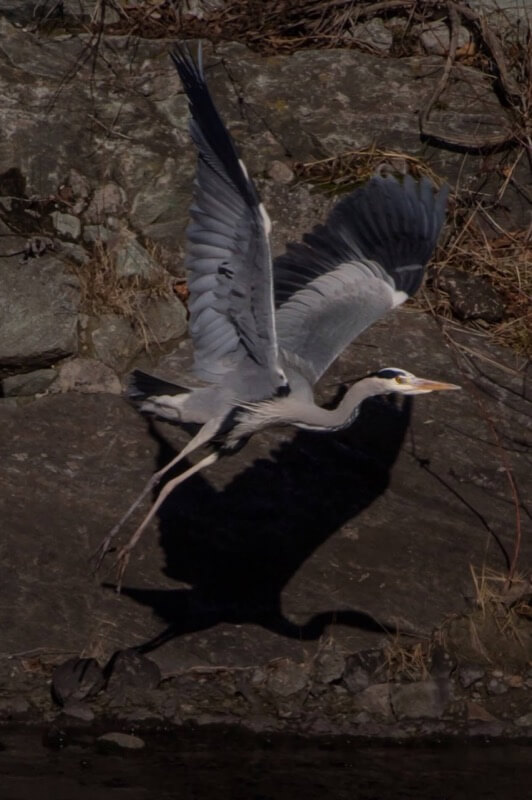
505	260
344	172
105	291
495	631
494	596
288	25
274	26
497	628
406	661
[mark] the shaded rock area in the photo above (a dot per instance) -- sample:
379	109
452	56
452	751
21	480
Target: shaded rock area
76	679
263	577
281	589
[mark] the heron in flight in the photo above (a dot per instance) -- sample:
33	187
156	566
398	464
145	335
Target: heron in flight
263	332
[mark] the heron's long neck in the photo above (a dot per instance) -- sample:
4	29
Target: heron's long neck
304	413
344	413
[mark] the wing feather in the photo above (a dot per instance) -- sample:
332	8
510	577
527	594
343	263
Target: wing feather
369	257
228	256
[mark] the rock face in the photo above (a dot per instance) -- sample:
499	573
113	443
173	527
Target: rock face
470	296
131	671
56	186
296	536
38	312
427	699
29	383
298	539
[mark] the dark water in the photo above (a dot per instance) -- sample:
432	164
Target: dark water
221	764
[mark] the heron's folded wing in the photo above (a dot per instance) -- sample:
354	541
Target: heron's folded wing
228	255
369	257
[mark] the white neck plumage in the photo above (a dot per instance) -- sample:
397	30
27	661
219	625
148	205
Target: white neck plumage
291	410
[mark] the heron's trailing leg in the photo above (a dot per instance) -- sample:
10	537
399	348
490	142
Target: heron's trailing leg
124	552
204	435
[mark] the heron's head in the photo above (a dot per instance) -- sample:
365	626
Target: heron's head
392	379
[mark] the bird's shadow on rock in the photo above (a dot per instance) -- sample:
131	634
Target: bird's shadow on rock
239	547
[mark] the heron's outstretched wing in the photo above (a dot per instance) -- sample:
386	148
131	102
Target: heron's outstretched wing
228	255
368	257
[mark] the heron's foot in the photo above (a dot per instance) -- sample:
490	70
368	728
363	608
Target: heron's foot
104	548
122	560
124	553
123	556
106	545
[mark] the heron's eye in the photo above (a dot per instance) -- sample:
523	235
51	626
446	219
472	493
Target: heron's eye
399	379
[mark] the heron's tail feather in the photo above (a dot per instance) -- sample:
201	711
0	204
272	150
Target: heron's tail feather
143	386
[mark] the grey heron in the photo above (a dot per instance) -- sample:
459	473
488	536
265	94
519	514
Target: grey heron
263	333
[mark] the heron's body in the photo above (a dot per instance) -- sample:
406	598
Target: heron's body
241	415
264	333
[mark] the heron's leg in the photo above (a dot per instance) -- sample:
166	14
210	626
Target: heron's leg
204	435
124	552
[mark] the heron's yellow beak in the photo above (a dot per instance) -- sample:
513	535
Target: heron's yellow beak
424	385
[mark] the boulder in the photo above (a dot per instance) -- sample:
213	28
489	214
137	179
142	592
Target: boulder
422	699
28	383
39	305
115	341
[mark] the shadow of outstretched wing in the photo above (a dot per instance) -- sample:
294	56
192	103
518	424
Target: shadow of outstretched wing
238	548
